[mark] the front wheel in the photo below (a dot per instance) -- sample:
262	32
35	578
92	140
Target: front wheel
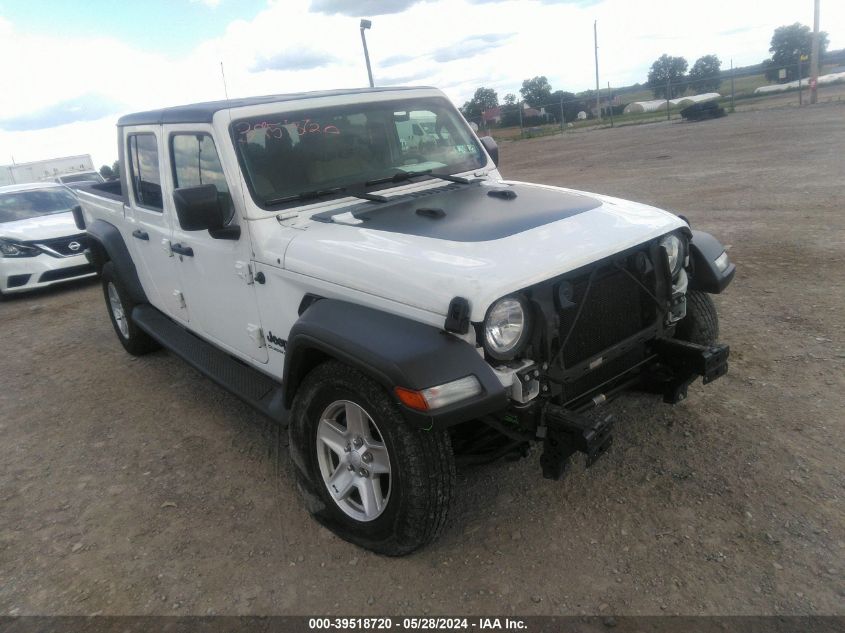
701	324
367	475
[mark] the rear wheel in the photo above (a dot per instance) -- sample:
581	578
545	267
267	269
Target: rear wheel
364	472
701	324
134	340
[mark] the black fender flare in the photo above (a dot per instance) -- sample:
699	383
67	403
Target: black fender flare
395	352
705	276
107	237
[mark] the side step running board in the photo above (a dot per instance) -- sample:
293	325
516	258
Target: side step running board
253	387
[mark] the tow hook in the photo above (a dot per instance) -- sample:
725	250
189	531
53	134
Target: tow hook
565	433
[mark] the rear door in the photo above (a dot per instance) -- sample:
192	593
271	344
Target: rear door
151	234
217	277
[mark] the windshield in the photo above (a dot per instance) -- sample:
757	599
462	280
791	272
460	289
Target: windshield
82	177
293	153
22	205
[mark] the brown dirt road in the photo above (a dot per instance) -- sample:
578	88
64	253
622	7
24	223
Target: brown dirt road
138	487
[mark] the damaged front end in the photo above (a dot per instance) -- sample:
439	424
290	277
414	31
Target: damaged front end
595	332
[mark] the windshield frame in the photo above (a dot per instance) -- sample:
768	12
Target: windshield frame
25	192
406	104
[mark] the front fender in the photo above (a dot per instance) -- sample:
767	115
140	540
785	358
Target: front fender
394	351
705	275
108	238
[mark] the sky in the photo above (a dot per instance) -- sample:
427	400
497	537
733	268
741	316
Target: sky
69	69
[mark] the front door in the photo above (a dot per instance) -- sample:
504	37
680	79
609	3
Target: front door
151	226
216	274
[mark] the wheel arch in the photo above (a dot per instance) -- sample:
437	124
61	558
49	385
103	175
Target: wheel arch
395	352
107	244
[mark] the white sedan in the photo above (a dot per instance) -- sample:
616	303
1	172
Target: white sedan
40	244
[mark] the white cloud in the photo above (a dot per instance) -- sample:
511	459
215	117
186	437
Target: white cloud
213	4
264	55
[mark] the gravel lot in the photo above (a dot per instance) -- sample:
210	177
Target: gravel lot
138	487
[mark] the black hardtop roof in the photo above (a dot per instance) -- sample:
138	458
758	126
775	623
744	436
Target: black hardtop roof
204	112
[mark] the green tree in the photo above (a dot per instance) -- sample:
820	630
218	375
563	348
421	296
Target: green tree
671	69
536	92
705	74
788	43
571	106
483	99
510	99
106	172
116	168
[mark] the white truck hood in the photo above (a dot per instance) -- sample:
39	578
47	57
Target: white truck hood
426	272
43	227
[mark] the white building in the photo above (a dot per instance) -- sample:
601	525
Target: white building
38	170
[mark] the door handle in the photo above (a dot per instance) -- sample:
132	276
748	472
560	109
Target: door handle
180	249
141	235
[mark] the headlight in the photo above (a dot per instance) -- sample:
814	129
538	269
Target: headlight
675	251
506	328
13	249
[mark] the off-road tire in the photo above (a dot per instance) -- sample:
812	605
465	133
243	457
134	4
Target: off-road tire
422	464
701	324
135	340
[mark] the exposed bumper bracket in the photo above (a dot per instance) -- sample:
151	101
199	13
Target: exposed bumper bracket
688	361
566	433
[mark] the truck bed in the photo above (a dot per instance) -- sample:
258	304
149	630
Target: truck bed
101	201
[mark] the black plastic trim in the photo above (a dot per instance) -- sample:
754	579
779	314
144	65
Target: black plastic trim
704	249
108	237
394	351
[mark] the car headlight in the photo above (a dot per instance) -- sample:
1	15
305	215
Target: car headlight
674	247
13	249
506	328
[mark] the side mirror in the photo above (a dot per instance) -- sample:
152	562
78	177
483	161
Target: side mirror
492	148
199	209
78	217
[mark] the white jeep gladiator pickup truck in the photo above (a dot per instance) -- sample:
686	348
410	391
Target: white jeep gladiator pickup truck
388	298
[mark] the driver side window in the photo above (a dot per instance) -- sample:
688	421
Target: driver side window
195	162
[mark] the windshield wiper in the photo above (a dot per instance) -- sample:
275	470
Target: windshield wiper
399	176
402	176
305	195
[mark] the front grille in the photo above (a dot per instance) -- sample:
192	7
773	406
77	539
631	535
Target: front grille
66	273
604	373
62	245
616	308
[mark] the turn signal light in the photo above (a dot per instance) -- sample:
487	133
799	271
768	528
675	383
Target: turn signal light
440	395
412	399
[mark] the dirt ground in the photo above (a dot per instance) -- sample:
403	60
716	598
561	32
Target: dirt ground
138	487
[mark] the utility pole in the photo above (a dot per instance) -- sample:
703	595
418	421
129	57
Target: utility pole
732	84
814	56
366	24
800	91
596	46
561	113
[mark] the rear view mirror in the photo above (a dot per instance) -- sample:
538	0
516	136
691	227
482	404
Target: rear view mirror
199	209
492	148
